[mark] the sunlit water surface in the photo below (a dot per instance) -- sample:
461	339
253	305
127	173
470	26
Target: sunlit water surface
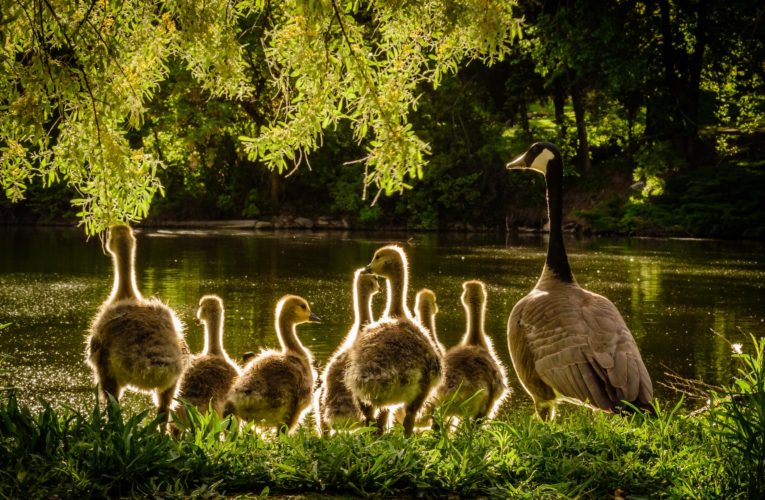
681	298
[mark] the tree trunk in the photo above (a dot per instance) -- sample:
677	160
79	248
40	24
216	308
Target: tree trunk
274	191
583	149
559	101
523	112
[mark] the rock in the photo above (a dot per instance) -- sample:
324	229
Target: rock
323	222
283	222
263	225
345	224
304	223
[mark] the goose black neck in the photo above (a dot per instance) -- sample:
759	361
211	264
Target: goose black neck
285	330
557	260
214	334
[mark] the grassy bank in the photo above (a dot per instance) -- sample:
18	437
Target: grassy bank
718	453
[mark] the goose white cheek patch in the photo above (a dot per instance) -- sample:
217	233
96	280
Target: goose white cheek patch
540	162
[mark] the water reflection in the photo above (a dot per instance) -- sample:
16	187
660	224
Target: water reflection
680	298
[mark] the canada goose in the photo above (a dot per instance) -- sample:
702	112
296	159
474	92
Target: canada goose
425	310
336	405
566	342
211	374
135	342
274	389
393	361
474	382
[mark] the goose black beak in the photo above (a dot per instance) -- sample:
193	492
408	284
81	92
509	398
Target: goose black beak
313	318
520	162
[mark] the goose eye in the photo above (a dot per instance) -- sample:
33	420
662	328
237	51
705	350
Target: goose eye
302	306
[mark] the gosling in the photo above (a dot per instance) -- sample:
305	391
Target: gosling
274	389
336	406
212	374
393	361
474	383
135	342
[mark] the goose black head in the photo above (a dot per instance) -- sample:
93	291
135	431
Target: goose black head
538	157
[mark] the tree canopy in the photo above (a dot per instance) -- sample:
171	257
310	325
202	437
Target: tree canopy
214	103
80	83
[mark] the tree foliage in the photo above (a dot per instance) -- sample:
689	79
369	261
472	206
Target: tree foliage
77	80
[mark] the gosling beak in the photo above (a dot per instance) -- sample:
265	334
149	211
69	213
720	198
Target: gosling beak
367	269
313	318
518	163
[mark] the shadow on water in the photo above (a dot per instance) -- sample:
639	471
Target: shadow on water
673	294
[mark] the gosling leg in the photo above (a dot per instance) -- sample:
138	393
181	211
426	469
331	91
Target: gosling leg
164	400
108	387
382	421
414	407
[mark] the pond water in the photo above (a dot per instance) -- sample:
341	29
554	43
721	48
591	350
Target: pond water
681	298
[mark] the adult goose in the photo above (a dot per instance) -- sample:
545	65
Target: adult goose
135	342
568	343
393	361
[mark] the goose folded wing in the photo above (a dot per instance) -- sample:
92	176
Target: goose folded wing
612	351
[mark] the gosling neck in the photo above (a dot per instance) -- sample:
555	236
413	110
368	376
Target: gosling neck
362	307
557	260
397	290
288	339
475	334
124	286
427	318
214	334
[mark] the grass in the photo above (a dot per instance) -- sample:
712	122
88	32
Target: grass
583	454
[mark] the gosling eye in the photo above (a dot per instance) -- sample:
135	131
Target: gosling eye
302	306
377	257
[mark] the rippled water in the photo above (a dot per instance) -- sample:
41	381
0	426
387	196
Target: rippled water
679	297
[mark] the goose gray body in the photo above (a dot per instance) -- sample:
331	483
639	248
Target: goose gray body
567	342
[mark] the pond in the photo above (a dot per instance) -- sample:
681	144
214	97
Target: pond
681	298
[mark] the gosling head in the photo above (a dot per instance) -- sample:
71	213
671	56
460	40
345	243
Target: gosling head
120	239
368	284
473	293
539	157
387	261
296	310
426	301
210	308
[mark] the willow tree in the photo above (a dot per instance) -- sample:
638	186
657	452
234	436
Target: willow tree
77	79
